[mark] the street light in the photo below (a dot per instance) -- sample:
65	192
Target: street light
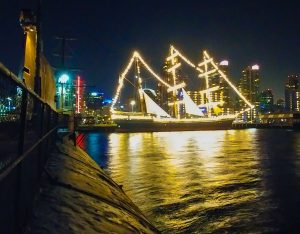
62	80
9	101
132	103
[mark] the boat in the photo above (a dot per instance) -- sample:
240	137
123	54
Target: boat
102	127
182	113
167	125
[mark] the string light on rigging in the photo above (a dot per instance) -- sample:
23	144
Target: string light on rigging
228	81
207	63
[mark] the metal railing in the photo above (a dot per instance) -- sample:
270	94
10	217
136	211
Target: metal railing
27	130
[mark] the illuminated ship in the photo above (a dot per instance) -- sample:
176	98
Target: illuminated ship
182	113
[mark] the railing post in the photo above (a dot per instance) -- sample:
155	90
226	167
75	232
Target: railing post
48	141
42	146
23	119
75	127
19	164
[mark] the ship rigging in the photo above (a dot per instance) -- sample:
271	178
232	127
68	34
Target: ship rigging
179	99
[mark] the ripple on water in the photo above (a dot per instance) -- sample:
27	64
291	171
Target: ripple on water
238	181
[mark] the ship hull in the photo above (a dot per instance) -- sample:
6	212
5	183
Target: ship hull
97	128
153	126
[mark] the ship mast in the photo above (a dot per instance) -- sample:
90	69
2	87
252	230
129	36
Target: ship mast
139	86
208	96
172	69
205	68
173	62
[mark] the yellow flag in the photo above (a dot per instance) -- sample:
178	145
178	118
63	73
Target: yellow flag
217	109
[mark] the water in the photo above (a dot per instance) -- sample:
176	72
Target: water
236	181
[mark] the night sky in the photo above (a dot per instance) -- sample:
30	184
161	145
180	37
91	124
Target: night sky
244	32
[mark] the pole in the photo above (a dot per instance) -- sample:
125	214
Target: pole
63	44
21	141
37	78
139	85
173	62
62	96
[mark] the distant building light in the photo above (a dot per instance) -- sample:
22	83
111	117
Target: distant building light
224	63
255	67
94	94
108	101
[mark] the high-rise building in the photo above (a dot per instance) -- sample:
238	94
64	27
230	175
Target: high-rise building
266	101
280	105
222	94
94	100
224	89
249	87
292	93
79	95
163	97
215	96
196	96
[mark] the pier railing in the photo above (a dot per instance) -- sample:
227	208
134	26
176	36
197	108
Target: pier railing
27	130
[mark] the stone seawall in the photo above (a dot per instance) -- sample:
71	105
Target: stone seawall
76	196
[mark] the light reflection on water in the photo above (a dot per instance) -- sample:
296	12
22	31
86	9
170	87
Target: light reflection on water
209	181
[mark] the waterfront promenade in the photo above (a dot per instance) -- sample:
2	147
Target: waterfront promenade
76	196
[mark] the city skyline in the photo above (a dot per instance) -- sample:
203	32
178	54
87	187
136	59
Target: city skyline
243	33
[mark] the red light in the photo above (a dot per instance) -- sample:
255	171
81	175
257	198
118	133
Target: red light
78	95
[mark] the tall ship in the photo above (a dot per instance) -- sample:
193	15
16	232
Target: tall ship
173	106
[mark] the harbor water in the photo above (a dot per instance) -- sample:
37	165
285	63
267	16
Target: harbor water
234	181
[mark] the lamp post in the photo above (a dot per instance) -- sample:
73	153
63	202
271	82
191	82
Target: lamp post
9	101
132	103
63	79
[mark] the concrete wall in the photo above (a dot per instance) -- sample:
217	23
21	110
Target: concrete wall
47	75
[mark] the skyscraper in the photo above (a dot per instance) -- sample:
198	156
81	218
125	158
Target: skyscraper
163	97
221	95
280	105
249	87
196	96
266	101
79	95
292	93
94	100
224	89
